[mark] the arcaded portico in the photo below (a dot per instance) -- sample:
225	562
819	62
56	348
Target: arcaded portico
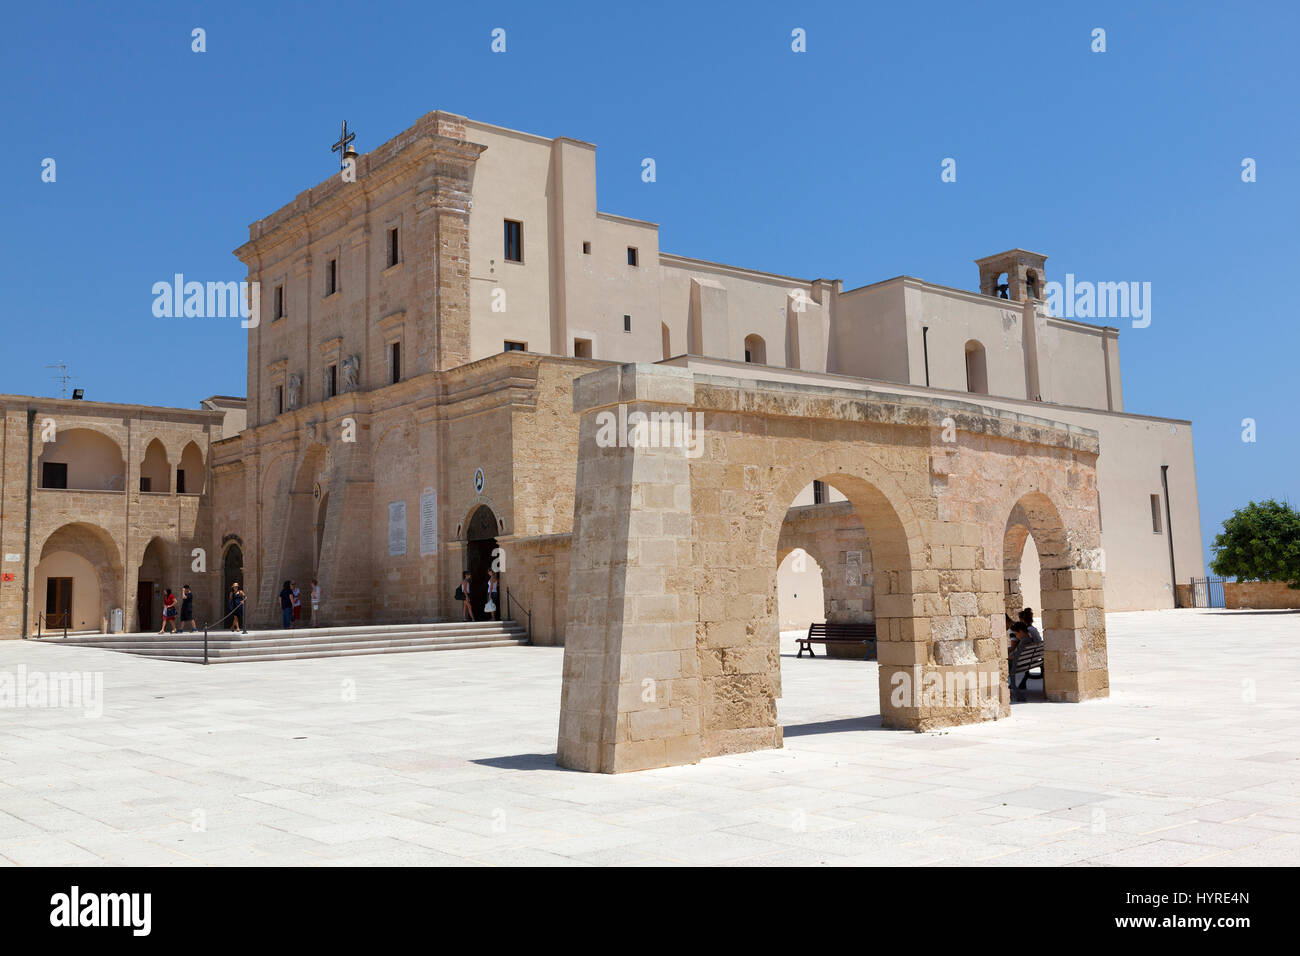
671	650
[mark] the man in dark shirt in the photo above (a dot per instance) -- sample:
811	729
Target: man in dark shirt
286	606
187	608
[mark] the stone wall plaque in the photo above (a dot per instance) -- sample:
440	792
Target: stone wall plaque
397	527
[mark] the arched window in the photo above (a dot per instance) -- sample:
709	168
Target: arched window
155	470
82	459
1032	286
977	375
755	349
190	473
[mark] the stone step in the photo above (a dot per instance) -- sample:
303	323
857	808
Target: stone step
263	646
277	633
304	643
302	634
337	652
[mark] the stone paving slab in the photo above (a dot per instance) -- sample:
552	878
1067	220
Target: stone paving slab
448	759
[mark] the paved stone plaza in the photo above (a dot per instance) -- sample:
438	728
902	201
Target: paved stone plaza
448	758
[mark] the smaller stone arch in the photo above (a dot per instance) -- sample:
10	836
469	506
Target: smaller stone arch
155	469
1072	617
191	475
153	578
755	349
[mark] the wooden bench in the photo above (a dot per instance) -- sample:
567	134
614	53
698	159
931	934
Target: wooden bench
857	633
1027	656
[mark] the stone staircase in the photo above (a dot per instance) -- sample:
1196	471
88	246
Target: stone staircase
225	647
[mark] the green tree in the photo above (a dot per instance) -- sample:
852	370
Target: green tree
1260	542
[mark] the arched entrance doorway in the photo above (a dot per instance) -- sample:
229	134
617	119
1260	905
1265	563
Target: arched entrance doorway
480	550
78	579
151	584
232	572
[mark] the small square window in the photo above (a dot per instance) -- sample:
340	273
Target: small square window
54	474
631	255
627	323
586	248
331	277
514	251
146	484
582	348
1155	514
393	250
516	347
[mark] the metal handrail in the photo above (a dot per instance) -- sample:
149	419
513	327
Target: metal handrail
229	614
40	620
510	597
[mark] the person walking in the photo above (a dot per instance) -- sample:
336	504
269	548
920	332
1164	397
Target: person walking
237	608
286	606
169	612
315	603
493	606
187	608
462	595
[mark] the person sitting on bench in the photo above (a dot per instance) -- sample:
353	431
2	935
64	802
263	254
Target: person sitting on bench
1027	616
1021	632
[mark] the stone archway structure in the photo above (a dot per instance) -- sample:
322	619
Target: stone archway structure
684	480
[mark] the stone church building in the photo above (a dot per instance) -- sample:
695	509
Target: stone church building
413	410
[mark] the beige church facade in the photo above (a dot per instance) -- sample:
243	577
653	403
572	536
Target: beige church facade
438	333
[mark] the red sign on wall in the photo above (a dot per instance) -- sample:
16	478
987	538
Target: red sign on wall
7	576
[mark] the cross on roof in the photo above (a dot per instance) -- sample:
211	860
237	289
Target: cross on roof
345	140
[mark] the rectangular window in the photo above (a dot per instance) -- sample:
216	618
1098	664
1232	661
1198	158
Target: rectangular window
514	241
819	492
54	474
393	251
516	347
332	277
331	381
145	483
582	348
277	399
180	481
279	302
627	323
631	255
1155	514
395	360
586	248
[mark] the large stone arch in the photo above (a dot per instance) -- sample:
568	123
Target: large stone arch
684	480
95	546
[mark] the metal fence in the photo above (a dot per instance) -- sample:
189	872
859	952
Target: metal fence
1207	592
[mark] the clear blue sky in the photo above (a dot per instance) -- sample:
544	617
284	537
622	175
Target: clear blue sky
1119	166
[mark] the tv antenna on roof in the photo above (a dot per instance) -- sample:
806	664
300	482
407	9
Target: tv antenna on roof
63	377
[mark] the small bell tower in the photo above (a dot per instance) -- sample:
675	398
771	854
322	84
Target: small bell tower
1016	275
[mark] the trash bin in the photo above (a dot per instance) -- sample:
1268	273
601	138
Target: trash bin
115	621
